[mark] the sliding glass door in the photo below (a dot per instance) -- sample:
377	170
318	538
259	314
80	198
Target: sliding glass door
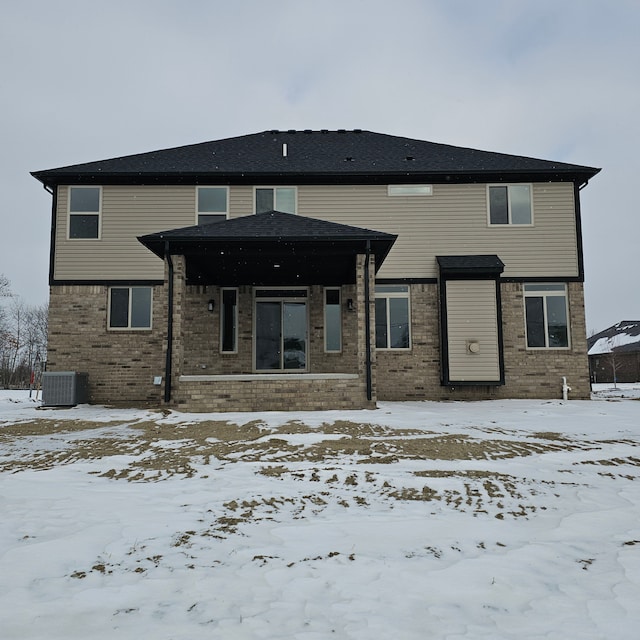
280	331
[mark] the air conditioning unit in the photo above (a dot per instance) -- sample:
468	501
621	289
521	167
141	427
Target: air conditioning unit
64	388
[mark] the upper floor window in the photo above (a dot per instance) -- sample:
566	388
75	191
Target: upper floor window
130	308
84	212
276	199
510	204
212	204
546	317
393	326
409	190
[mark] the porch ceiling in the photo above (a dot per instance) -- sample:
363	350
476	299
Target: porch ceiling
270	249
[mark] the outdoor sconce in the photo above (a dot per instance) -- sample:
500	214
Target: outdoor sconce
211	305
350	305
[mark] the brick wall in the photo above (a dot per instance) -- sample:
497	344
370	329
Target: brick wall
121	364
528	373
201	333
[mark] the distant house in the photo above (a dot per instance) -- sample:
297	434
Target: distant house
614	354
316	270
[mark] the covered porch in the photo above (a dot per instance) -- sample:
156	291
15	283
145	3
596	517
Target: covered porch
270	311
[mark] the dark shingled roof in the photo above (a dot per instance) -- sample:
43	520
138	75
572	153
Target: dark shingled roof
271	248
271	225
627	330
314	156
470	264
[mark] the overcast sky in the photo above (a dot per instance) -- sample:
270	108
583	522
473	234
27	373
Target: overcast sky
554	79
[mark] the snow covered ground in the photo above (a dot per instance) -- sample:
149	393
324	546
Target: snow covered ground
503	519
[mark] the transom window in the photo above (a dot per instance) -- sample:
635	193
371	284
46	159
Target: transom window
84	212
281	335
212	204
393	328
546	316
409	190
510	204
130	307
276	199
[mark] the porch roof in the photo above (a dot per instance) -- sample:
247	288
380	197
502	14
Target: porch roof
271	248
469	265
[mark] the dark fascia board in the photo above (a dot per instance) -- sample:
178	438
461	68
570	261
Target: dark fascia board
52	179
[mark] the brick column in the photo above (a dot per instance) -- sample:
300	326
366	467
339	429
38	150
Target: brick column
361	319
177	343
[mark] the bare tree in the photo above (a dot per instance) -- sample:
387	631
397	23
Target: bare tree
5	286
613	360
23	339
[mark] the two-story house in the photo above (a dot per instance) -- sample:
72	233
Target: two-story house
317	269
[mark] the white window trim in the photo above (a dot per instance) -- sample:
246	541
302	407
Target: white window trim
274	187
84	213
306	298
129	327
545	294
509	225
235	318
211	213
324	313
396	294
409	190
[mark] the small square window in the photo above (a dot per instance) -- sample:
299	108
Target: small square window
84	212
130	308
276	199
510	204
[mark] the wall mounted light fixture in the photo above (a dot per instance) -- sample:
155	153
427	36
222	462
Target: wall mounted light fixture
211	305
350	305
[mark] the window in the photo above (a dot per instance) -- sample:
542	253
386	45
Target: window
409	190
212	204
546	316
229	321
130	308
510	204
84	212
280	330
332	320
392	317
276	199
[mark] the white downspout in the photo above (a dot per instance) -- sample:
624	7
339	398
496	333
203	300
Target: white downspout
565	388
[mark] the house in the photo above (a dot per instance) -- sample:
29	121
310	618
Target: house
317	269
614	354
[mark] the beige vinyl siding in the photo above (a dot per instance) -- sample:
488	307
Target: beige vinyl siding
127	212
454	221
451	221
472	317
